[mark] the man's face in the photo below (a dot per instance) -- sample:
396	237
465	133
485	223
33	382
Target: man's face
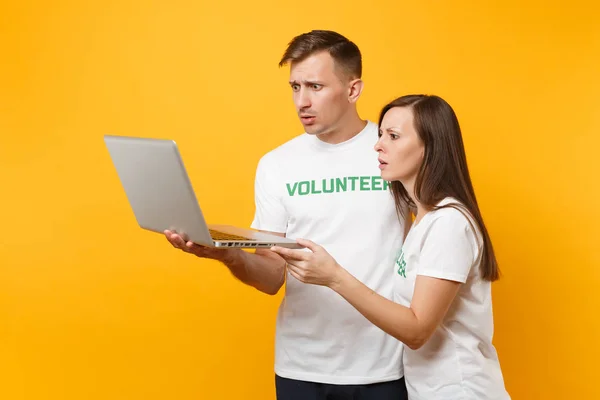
321	93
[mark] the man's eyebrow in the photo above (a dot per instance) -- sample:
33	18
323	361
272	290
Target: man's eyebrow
306	83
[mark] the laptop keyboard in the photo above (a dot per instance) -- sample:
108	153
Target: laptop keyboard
216	235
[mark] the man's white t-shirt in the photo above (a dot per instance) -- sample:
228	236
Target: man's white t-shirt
332	194
459	361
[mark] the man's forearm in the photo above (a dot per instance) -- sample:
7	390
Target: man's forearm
263	269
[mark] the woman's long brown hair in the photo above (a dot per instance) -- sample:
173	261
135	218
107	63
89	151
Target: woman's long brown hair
444	171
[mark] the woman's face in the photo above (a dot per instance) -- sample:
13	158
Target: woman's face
400	149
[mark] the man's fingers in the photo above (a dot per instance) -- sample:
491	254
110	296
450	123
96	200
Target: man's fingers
194	248
178	241
173	238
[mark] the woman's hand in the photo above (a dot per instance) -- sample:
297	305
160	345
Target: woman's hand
316	266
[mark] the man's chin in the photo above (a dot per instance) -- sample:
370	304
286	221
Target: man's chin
312	129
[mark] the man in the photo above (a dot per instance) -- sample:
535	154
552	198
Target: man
324	185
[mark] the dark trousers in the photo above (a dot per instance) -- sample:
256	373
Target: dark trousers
290	389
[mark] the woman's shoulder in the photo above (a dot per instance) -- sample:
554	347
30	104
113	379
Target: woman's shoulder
451	209
452	216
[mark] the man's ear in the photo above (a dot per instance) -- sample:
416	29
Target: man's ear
354	90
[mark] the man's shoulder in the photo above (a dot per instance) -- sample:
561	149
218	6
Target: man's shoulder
298	146
286	150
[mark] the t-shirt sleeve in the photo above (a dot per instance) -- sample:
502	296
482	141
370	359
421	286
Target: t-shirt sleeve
450	248
270	213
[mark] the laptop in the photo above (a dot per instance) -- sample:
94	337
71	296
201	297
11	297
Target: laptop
161	196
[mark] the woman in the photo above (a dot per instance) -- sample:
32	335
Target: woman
442	308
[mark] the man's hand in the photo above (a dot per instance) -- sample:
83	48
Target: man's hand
263	269
181	242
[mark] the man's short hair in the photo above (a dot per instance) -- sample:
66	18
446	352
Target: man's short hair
344	52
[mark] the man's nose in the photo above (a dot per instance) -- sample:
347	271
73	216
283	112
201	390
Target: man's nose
303	99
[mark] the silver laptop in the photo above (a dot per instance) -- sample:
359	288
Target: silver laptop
161	196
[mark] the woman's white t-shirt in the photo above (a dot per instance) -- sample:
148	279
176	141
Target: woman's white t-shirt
459	360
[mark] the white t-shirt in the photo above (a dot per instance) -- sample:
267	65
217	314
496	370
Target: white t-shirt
459	361
333	195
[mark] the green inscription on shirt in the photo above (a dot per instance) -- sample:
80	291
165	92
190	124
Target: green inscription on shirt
336	185
401	264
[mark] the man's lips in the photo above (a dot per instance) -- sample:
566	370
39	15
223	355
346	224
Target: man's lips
307	118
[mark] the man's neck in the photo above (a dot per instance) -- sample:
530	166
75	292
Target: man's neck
347	131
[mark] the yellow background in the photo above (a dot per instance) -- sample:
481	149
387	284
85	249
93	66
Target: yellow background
92	307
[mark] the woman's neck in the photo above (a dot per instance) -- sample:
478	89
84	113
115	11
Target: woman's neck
409	185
